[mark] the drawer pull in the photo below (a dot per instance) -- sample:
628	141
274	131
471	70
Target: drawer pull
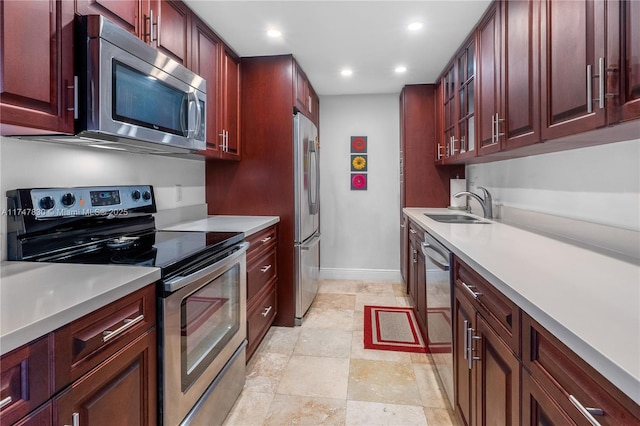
413	231
266	240
265	268
587	412
5	402
470	288
266	311
128	323
75	420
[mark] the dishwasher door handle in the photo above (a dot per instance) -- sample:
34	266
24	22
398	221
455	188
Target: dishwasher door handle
429	252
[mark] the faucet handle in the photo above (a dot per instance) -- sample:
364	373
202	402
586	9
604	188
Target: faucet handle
485	191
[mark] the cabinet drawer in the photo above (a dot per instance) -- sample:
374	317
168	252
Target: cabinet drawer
260	316
501	313
25	380
415	231
86	342
563	373
261	241
260	272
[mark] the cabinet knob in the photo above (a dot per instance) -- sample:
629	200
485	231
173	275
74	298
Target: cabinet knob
265	268
265	240
266	311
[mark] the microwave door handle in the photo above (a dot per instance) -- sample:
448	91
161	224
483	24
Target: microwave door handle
198	116
184	120
191	132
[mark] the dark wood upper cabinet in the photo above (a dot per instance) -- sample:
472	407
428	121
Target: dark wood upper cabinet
125	13
509	100
623	60
171	28
230	106
205	61
572	50
520	70
36	67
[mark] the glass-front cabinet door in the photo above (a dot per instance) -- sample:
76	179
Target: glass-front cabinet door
466	143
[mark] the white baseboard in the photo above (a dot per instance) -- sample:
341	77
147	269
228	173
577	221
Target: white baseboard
361	274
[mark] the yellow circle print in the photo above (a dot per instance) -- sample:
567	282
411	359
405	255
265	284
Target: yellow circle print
359	162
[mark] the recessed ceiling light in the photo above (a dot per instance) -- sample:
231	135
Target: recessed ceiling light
414	26
274	33
401	69
346	72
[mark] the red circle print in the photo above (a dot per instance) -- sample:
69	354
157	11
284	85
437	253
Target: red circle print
358	144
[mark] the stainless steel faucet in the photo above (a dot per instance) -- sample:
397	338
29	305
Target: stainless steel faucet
486	204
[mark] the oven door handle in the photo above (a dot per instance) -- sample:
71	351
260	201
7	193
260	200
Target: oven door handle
178	282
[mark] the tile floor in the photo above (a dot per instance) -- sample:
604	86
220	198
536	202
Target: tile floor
320	374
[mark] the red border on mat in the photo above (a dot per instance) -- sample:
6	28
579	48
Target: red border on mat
368	330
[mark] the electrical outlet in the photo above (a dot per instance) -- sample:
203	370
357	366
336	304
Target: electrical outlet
178	192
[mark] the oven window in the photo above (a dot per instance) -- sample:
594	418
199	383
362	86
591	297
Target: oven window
146	101
210	317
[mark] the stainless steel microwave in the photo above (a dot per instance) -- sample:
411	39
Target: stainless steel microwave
129	96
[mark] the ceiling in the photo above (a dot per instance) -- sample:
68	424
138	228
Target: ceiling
369	37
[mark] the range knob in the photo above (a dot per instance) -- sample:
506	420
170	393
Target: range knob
47	203
135	195
146	195
68	199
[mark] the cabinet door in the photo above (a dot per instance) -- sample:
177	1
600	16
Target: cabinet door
302	91
41	417
489	58
230	117
413	270
623	60
36	63
497	379
572	44
404	248
25	380
171	32
444	148
520	74
538	408
421	288
463	318
124	386
125	13
465	144
205	61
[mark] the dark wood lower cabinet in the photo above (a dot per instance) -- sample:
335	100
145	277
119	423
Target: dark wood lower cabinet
120	390
463	314
497	378
538	408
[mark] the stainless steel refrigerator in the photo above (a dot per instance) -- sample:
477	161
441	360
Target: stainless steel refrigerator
307	213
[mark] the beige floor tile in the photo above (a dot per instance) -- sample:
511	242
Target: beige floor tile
383	381
324	343
250	409
430	393
358	321
338	286
399	289
280	340
377	413
439	417
315	377
417	358
359	352
334	319
403	301
334	301
298	410
264	371
363	299
376	288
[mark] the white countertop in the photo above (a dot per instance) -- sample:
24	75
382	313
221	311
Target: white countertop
221	223
37	298
590	301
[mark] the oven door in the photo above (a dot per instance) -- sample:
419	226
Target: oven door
203	322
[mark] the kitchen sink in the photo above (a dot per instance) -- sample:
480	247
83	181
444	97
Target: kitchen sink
455	218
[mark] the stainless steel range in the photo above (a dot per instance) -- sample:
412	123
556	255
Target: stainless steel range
201	296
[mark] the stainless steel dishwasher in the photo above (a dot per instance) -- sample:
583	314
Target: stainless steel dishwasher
439	278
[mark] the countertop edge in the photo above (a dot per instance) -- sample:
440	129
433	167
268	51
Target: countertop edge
616	374
28	333
249	225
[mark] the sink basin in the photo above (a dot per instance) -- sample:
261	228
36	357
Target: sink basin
454	218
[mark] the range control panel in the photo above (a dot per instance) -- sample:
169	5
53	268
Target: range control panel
89	201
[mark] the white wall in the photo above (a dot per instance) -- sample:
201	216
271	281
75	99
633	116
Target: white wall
29	164
599	184
360	229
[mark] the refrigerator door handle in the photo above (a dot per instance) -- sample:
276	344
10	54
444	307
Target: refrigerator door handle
314	205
